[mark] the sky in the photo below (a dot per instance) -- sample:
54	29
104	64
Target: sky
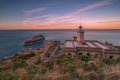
59	14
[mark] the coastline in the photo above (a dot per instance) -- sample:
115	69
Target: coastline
30	65
61	61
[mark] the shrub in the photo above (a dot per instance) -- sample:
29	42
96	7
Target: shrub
38	62
89	67
27	56
85	58
49	65
65	78
1	62
118	60
28	77
44	70
110	61
113	76
8	75
59	61
71	69
67	59
91	76
31	69
13	66
101	74
64	60
19	64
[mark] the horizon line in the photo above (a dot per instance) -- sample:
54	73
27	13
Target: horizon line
56	29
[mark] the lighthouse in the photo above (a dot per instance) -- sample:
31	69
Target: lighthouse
80	34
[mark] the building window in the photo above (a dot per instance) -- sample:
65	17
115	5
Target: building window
79	53
88	54
111	57
69	54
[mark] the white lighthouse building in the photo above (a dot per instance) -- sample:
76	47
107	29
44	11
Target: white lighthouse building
91	48
80	34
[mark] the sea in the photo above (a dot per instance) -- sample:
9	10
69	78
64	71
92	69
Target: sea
11	41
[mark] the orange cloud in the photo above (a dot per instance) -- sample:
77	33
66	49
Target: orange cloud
68	22
50	23
107	24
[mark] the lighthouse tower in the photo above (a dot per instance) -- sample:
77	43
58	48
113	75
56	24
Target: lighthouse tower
80	34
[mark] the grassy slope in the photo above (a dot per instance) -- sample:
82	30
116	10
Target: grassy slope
30	67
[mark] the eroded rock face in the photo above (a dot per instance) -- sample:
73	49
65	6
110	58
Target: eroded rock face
34	39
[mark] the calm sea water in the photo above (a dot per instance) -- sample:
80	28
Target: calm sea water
11	41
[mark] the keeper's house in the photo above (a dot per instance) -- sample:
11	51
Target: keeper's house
92	48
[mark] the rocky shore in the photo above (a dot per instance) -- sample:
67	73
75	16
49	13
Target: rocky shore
43	64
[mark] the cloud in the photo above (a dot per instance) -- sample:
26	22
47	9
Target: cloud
32	11
38	17
89	7
47	25
56	21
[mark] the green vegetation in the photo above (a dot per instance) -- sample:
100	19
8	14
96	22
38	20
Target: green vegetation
38	62
111	61
28	77
85	58
59	68
44	70
8	75
27	56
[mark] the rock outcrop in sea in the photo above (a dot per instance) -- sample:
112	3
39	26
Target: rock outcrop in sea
34	39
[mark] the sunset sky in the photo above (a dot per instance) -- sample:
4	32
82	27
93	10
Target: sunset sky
59	14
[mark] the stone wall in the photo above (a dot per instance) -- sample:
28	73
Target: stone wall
92	52
114	56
